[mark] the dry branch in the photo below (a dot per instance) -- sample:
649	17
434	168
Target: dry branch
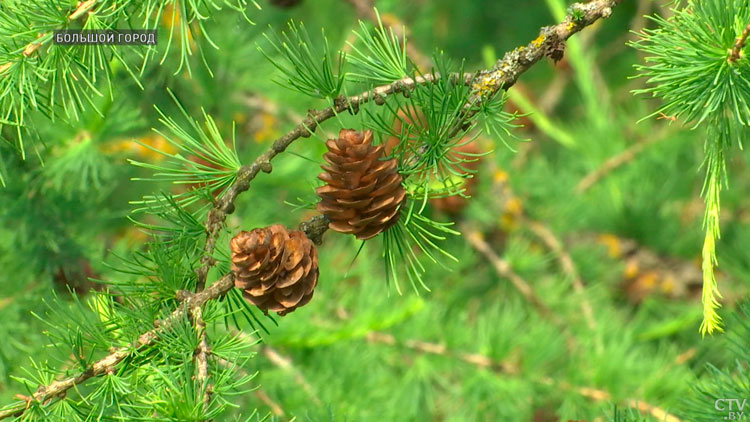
614	163
485	84
507	368
107	364
567	265
504	270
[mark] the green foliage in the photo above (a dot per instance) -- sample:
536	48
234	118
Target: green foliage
414	233
203	160
473	347
724	385
382	57
688	66
305	69
41	80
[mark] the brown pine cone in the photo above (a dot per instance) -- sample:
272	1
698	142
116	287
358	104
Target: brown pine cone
276	270
363	193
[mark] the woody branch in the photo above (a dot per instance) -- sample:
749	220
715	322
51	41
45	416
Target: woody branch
485	84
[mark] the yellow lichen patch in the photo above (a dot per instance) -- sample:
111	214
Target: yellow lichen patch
486	85
538	41
612	243
570	25
266	129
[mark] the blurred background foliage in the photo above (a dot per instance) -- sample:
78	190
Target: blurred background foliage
593	211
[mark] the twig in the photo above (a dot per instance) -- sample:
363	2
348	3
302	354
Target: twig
107	364
739	43
614	162
265	105
475	359
486	84
285	363
260	394
601	395
503	270
275	408
484	362
566	263
201	355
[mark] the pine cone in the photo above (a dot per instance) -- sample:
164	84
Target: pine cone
277	270
363	193
285	3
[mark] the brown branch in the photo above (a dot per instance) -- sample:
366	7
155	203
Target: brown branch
474	359
613	163
507	368
260	394
108	363
567	265
739	43
275	408
485	85
504	270
285	363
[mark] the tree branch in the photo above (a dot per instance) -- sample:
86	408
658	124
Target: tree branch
191	304
567	265
739	43
485	84
615	162
108	363
503	269
508	368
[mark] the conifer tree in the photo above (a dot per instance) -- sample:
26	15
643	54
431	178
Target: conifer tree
171	317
